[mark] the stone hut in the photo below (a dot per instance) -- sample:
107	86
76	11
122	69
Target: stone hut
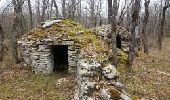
66	45
55	45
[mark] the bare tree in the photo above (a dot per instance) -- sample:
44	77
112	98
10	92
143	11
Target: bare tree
56	9
64	8
160	34
79	8
38	12
122	14
113	32
110	11
17	28
30	14
134	29
128	19
144	28
99	12
44	8
92	13
72	9
1	43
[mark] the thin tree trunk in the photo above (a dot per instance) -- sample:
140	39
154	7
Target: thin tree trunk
100	16
1	43
56	9
30	14
38	12
128	19
64	8
92	13
160	34
17	28
79	12
51	8
73	9
43	10
134	29
110	11
113	33
144	28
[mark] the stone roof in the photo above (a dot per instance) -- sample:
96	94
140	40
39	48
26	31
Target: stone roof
65	29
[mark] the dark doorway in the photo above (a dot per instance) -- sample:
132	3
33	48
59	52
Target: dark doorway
118	41
60	53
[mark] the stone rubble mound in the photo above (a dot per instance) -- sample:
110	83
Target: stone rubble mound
97	82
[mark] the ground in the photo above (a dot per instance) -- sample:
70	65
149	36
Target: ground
18	83
150	78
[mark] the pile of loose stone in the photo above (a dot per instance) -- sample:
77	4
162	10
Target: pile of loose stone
98	82
105	30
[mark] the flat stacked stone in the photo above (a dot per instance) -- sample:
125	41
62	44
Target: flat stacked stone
95	82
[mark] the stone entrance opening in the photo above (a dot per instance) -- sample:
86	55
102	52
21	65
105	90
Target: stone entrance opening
60	56
118	41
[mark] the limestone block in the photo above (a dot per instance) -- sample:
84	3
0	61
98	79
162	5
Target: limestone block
34	57
41	47
68	42
105	94
72	52
71	48
110	71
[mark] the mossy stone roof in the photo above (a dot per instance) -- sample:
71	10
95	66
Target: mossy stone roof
85	38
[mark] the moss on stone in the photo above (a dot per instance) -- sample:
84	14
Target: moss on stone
82	36
122	57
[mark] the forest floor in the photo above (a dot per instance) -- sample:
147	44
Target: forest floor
18	83
150	78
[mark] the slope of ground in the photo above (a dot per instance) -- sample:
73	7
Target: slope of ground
151	75
18	83
150	79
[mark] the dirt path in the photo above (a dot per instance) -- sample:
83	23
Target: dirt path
151	75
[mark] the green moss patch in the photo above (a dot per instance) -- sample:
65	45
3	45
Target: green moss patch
122	57
85	38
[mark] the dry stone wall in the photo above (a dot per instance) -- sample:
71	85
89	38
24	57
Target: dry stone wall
38	54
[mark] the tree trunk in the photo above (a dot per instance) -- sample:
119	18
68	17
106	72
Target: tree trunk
73	9
134	29
56	9
160	34
79	12
64	8
144	28
100	16
43	10
110	11
51	8
30	14
92	13
128	22
17	28
1	43
38	12
113	33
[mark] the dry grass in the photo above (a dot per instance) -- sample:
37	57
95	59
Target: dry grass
18	83
151	75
